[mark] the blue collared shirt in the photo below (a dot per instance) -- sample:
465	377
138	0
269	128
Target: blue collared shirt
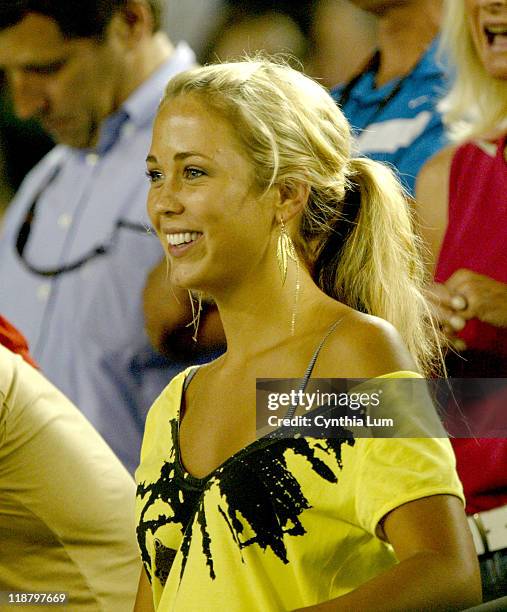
409	129
85	327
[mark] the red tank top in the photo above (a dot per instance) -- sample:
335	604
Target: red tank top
476	236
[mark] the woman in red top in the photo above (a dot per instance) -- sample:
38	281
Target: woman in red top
462	209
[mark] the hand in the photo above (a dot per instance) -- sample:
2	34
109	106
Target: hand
485	298
446	308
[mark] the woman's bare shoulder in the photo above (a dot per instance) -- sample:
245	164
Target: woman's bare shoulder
363	346
434	175
431	203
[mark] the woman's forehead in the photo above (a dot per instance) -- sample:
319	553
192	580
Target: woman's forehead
185	126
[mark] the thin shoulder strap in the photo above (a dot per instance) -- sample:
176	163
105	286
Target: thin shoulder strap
311	365
309	369
189	376
292	409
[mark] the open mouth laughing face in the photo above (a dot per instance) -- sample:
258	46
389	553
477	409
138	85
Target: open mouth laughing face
488	25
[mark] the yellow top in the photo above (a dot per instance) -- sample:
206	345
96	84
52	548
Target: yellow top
281	524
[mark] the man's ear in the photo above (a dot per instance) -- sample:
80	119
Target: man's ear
293	197
133	22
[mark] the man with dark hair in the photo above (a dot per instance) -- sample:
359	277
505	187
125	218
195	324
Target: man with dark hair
90	21
75	252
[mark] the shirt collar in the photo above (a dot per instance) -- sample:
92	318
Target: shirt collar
141	106
143	103
428	66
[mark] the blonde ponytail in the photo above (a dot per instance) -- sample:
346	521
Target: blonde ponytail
378	268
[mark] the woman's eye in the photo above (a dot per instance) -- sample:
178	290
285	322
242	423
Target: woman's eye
153	175
192	173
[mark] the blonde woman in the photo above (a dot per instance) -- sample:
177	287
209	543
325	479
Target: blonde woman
461	197
310	257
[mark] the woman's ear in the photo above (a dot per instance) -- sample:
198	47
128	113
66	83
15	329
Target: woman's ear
293	196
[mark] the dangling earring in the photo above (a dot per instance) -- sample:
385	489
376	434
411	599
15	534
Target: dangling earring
196	313
286	250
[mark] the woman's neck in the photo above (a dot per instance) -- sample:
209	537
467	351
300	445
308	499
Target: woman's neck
257	315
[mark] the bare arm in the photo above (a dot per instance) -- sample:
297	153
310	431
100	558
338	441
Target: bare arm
144	599
431	203
167	314
431	209
437	567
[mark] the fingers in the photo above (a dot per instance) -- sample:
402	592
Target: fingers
466	288
441	301
448	310
485	297
459	302
468	295
464	283
456	322
440	295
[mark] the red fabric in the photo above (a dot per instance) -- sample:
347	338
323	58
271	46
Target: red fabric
482	467
476	238
14	341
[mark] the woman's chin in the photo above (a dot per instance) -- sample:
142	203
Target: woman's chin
191	282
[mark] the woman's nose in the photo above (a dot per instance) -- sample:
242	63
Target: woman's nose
165	202
168	204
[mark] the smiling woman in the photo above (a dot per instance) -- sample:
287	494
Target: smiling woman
203	202
311	259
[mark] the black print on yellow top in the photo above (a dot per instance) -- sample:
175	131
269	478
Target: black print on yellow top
164	558
257	486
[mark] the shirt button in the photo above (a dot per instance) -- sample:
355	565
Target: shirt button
64	220
92	159
43	292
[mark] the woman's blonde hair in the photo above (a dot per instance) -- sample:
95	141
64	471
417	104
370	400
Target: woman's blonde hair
476	104
356	231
